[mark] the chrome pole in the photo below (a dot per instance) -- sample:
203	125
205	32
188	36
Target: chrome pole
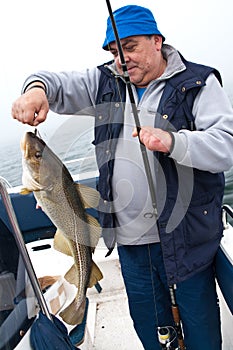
22	249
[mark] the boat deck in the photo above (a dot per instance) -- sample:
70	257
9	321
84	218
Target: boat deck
109	325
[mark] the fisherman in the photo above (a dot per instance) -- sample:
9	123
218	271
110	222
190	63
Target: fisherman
186	126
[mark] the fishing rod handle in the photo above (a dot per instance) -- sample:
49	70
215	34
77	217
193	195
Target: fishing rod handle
176	314
181	344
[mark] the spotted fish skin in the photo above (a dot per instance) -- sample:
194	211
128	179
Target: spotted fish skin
64	202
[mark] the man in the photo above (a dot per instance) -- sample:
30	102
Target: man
186	122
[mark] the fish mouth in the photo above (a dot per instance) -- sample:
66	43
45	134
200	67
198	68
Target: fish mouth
29	140
24	146
23	143
26	140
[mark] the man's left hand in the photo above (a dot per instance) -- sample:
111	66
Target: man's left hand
154	139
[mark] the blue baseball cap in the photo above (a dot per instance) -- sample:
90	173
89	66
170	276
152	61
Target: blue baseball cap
131	20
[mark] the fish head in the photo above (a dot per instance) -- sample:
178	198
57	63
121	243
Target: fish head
41	167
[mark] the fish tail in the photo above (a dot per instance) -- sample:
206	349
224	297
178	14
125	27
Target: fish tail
73	315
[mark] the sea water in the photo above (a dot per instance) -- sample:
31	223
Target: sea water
81	148
66	147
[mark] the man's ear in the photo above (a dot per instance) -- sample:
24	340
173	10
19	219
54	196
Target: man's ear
158	40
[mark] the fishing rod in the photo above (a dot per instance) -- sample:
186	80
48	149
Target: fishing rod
177	319
163	338
168	334
134	109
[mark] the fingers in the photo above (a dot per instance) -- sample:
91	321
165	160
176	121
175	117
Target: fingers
27	116
154	139
40	117
31	108
135	132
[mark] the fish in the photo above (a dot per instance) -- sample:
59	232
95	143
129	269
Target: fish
64	202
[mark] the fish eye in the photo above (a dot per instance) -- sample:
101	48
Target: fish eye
38	155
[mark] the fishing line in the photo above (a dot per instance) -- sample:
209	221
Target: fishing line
152	284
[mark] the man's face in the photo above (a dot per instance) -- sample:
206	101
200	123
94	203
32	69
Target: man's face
143	58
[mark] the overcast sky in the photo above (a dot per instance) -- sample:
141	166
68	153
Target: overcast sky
68	35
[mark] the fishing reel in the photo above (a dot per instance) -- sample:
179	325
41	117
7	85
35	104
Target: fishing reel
167	336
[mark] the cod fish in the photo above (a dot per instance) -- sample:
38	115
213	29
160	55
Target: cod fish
64	202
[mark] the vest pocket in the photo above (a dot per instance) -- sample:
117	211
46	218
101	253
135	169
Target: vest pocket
203	223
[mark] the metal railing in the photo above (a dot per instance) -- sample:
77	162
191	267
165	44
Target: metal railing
226	210
22	248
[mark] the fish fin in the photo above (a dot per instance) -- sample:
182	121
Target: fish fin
95	231
72	276
90	196
25	191
71	314
61	243
96	275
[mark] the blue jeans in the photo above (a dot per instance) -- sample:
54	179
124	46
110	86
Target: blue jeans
150	304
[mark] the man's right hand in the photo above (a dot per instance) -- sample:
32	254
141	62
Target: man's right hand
32	107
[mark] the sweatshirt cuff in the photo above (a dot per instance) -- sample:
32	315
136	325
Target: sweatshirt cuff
33	80
179	149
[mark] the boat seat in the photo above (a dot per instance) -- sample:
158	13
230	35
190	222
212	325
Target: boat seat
8	250
33	223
